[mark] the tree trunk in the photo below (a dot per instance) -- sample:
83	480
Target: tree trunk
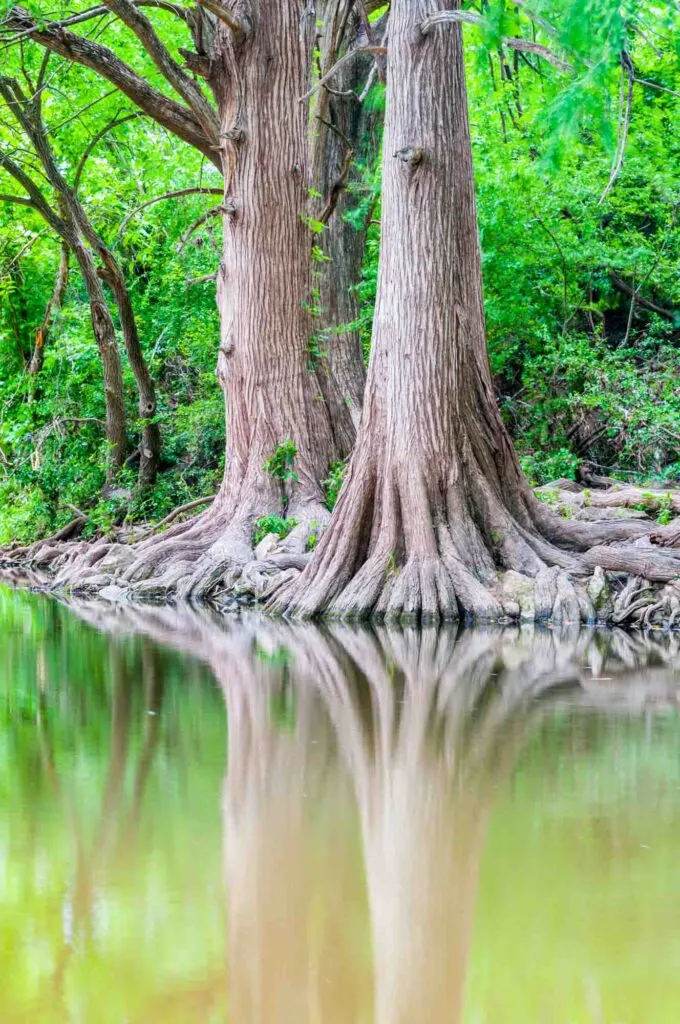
342	129
150	441
264	294
435	503
105	336
53	306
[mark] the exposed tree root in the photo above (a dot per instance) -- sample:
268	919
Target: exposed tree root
406	549
402	550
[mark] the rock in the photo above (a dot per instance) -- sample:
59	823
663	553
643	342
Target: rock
589	514
519	590
296	541
600	594
114	594
266	547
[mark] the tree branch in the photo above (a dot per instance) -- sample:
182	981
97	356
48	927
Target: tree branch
183	85
23	200
95	139
165	111
628	71
208	215
168	195
227	17
38	200
375	50
627	289
472	18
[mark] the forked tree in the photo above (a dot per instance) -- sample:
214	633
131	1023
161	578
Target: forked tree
261	124
435	506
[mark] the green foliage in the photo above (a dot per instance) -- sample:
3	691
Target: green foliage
542	467
272	524
281	462
333	482
578	374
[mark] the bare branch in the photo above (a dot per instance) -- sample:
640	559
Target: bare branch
38	200
527	46
655	85
445	17
202	280
168	195
472	18
22	200
627	71
208	215
375	50
226	16
98	12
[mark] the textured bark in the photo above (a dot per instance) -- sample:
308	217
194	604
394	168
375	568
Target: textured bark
342	129
54	304
435	503
264	287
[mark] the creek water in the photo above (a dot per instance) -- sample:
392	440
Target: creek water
263	823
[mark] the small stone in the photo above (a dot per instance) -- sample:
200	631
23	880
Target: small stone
518	589
599	592
114	594
266	547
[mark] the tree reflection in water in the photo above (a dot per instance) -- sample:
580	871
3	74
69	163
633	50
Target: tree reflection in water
425	726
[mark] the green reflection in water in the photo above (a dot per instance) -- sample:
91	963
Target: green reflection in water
398	827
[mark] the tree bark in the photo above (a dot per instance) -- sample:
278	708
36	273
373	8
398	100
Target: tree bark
434	503
342	129
150	440
265	287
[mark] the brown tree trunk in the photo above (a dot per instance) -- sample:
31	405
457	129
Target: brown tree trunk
150	441
342	129
53	306
105	336
435	503
265	295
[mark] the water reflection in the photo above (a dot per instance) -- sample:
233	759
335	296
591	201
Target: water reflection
363	769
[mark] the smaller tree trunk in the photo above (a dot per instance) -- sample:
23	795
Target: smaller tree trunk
53	306
150	442
105	336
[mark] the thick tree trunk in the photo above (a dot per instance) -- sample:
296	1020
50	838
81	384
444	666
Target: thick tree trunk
435	503
53	306
264	294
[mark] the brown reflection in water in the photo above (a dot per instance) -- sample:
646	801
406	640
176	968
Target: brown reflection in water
425	727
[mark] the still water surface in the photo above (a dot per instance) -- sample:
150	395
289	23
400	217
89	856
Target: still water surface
266	824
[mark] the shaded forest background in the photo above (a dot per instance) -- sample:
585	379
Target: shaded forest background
582	289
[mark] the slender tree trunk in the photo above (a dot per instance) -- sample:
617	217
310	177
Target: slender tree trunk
435	503
54	304
105	336
150	441
342	130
